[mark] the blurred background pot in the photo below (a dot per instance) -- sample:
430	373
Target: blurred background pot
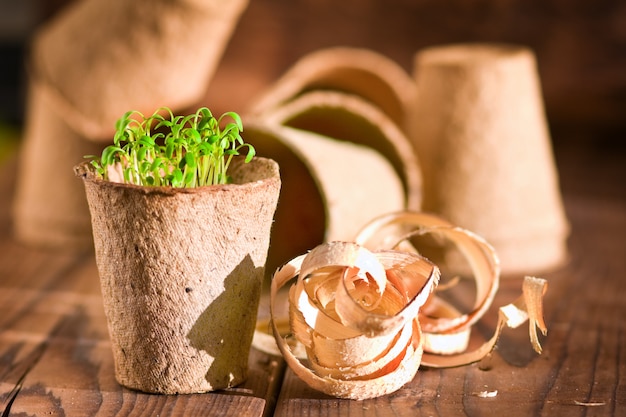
479	127
86	67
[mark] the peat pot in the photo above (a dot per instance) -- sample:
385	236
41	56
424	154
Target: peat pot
181	271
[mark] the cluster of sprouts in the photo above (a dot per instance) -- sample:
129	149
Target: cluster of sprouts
177	151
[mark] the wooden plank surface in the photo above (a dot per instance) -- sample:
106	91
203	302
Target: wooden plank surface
55	356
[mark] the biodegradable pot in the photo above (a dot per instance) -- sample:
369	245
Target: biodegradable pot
355	71
127	54
331	187
181	273
51	210
353	119
480	131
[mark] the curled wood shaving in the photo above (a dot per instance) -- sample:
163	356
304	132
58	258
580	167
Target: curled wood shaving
590	404
355	312
511	315
446	334
486	394
363	315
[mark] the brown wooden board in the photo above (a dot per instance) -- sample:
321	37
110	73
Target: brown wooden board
55	356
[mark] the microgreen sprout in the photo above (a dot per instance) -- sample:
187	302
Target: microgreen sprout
178	151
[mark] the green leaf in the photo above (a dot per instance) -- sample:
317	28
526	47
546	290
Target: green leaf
193	134
109	155
141	153
189	179
146	140
236	118
204	148
164	123
224	143
231	130
205	113
251	153
190	160
177	177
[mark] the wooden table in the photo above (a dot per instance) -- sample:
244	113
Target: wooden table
55	357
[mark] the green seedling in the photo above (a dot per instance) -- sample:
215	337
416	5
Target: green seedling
177	151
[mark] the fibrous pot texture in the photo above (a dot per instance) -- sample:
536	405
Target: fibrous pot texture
181	273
